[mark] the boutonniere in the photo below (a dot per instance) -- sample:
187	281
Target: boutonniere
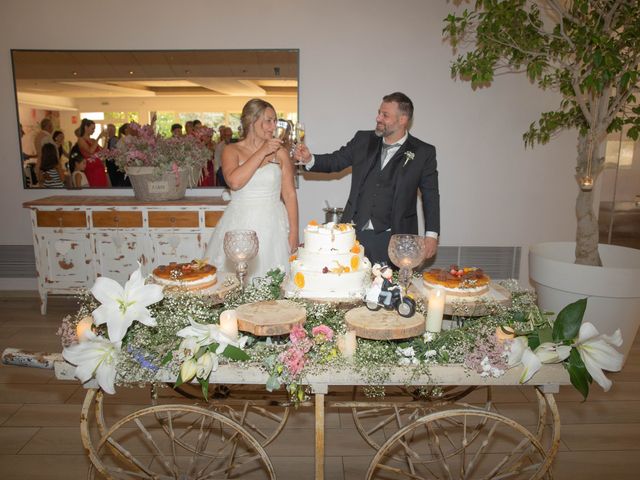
408	156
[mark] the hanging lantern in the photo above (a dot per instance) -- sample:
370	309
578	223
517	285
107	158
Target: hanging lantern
585	182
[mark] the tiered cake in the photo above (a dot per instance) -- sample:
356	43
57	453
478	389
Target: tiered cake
330	264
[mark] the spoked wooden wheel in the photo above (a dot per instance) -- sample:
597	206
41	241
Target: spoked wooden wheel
137	447
264	419
462	444
377	420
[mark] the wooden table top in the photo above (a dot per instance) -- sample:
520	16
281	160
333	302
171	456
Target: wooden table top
119	201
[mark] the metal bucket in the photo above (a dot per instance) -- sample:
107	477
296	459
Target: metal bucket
332	214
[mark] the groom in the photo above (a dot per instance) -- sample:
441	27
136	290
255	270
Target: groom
389	166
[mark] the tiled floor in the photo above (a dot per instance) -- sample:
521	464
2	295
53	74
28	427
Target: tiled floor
39	417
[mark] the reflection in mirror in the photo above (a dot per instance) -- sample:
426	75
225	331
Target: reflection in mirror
56	90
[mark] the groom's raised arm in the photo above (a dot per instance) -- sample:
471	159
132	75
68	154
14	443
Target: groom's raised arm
333	162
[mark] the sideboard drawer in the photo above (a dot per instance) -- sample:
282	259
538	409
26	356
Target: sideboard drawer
58	219
173	219
211	219
115	219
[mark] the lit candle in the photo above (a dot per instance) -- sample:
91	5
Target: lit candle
347	344
84	326
229	323
435	310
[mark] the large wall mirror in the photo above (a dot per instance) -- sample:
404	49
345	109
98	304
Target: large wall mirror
171	87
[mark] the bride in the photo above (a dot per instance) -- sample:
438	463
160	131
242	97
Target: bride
260	174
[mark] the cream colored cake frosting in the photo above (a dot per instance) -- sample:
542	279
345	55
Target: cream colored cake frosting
330	264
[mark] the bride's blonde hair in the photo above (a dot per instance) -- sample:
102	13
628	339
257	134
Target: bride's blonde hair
251	112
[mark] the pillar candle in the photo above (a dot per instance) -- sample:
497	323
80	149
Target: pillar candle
229	323
84	326
435	311
348	344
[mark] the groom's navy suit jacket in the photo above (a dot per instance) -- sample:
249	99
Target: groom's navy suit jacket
362	153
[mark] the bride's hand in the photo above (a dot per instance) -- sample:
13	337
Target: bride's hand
293	245
269	147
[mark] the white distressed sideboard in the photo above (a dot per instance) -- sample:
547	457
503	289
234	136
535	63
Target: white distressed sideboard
77	239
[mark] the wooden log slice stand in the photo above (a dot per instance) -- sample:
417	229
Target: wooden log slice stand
270	318
472	306
215	294
383	324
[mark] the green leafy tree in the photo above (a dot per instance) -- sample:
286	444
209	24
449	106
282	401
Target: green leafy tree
587	50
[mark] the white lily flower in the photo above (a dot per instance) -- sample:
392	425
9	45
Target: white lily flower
531	364
122	306
208	334
517	346
206	364
188	370
550	352
598	354
187	349
94	357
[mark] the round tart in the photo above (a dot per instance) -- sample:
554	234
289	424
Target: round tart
461	282
196	275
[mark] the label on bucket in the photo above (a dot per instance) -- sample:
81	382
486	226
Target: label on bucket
158	187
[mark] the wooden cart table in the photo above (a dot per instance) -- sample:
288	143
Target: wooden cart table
434	433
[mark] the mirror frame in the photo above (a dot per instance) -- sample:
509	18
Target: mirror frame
13	53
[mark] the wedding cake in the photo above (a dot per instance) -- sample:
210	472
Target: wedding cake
196	276
329	264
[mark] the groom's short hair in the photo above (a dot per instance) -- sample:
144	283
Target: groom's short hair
405	105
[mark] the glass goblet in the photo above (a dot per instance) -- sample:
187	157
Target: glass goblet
240	246
406	252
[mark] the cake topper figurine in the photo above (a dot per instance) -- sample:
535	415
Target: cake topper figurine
383	293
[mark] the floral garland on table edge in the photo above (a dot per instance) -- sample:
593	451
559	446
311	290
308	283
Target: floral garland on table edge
116	350
181	335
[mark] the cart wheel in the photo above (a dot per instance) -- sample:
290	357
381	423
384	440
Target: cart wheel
377	420
221	448
264	419
461	444
407	308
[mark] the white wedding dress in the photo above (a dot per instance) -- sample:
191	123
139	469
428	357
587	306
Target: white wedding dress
256	206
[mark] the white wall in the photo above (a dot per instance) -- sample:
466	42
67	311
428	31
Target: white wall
493	192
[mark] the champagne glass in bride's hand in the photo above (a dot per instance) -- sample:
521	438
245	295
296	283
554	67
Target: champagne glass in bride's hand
281	133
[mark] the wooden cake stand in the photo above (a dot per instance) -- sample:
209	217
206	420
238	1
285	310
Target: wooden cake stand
270	318
383	324
465	306
227	282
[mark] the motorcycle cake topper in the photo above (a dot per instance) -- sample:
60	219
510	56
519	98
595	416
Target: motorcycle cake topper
383	293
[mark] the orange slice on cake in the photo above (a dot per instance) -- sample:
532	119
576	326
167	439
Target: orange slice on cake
298	279
355	262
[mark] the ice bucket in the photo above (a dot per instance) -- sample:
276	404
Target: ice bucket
332	214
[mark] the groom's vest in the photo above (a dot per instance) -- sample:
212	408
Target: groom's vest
375	200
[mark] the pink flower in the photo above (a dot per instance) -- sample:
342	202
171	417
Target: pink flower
298	334
323	332
294	360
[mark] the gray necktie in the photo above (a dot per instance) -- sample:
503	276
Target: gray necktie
385	152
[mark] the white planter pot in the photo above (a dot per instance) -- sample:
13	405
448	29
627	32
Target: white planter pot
613	290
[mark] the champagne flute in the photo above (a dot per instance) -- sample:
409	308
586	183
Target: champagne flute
281	134
298	138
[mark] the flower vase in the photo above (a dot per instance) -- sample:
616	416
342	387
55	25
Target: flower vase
148	186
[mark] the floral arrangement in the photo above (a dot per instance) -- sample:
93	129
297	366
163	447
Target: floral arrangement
137	336
579	346
146	148
112	342
319	348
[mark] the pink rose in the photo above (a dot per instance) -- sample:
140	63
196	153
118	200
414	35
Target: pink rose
294	360
297	334
323	331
